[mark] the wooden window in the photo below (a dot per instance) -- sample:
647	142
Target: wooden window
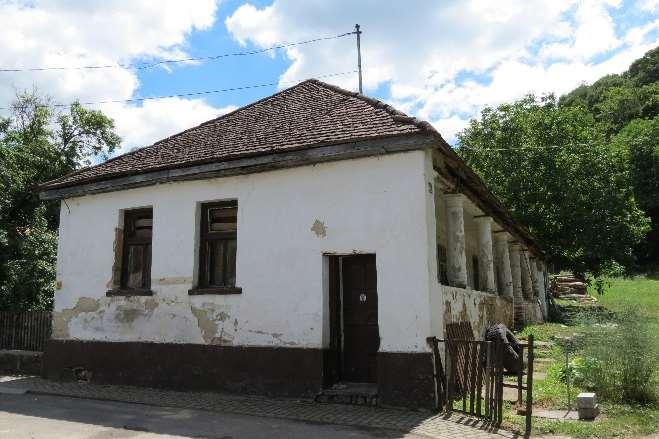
136	255
476	271
217	248
442	265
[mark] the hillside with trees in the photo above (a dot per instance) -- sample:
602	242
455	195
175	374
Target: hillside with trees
582	170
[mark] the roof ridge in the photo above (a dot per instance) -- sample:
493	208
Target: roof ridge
396	114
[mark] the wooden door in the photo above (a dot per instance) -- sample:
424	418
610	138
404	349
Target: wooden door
361	337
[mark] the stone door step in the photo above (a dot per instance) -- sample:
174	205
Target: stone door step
350	393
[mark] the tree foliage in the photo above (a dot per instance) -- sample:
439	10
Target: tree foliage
553	168
38	144
638	141
605	165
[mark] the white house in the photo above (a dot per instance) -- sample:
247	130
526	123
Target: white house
312	237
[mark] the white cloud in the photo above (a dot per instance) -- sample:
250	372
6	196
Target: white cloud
447	60
450	126
649	5
77	33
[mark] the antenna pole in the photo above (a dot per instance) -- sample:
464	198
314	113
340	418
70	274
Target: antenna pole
359	56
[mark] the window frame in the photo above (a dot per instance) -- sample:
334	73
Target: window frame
206	236
122	289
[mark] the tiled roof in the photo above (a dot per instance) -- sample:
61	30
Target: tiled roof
307	115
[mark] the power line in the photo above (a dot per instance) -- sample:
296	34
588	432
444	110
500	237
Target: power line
572	145
177	60
196	93
509	149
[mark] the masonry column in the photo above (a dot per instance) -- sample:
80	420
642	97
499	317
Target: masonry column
516	269
527	274
485	254
535	276
503	266
455	254
540	274
541	277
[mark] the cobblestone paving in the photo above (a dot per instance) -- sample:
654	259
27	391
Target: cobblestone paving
418	422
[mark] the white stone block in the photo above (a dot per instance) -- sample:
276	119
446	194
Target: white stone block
586	400
589	413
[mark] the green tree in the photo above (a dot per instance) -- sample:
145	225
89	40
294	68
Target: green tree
552	166
645	70
38	144
638	141
615	100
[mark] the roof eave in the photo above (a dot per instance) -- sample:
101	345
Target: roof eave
248	165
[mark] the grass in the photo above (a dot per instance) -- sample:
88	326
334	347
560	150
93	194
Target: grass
635	291
616	420
640	291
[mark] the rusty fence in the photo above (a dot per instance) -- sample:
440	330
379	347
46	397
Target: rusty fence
469	378
27	331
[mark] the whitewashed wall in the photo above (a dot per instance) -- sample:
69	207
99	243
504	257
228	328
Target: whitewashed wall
370	205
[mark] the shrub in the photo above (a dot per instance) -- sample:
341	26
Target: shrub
619	359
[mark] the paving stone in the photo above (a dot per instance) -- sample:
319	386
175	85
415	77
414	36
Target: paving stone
555	414
415	421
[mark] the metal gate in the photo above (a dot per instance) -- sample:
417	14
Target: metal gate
469	378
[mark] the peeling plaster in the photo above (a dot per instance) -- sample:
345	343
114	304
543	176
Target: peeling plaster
319	229
277	336
150	304
207	326
478	308
180	280
61	319
209	320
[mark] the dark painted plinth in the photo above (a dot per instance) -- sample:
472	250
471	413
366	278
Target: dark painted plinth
20	362
406	379
403	379
254	370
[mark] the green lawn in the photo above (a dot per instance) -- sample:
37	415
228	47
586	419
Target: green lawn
617	420
635	291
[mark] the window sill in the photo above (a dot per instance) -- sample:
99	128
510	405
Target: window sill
119	292
214	290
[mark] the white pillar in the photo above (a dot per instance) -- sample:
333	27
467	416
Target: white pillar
535	276
542	296
455	254
515	268
541	277
527	275
485	254
518	298
503	267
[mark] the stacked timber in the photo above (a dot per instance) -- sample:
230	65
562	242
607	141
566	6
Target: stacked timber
568	286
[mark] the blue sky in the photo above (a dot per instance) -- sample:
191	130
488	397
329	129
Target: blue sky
440	61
